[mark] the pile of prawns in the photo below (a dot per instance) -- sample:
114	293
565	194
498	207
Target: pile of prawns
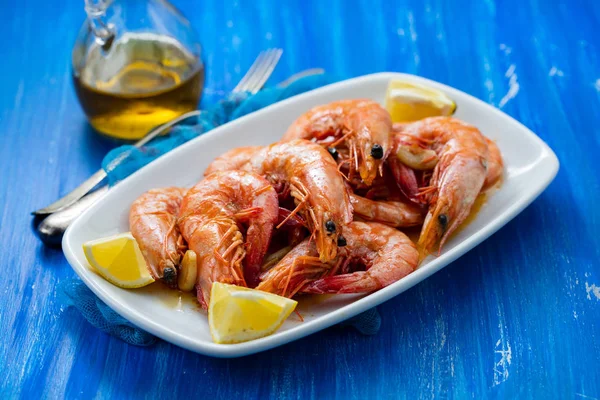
320	211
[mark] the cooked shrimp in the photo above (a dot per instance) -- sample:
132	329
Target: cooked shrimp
153	224
232	160
495	168
235	159
387	254
209	220
295	270
457	177
362	124
315	184
392	213
408	155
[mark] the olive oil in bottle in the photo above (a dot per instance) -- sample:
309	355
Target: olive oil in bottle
143	80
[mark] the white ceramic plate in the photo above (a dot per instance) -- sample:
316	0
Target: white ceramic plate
530	167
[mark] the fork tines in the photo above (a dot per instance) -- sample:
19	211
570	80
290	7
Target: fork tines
259	72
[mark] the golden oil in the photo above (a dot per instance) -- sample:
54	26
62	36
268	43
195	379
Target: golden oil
142	81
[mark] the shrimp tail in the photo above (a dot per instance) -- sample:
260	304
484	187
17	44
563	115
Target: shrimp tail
153	224
406	180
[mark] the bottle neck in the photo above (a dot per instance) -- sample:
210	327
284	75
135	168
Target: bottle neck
101	28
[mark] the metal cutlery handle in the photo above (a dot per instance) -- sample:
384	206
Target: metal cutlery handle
51	229
74	195
160	129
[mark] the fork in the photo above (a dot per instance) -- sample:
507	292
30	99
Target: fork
252	82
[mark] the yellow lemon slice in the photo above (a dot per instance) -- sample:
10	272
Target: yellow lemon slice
118	259
407	101
238	314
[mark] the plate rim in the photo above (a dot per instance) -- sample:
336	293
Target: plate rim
344	312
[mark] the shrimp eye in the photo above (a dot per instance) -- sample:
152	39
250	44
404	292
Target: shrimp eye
169	274
334	153
330	226
377	152
341	242
443	220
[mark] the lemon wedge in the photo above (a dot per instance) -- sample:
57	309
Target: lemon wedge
119	260
407	101
237	314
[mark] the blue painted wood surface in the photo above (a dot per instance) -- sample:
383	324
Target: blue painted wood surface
517	317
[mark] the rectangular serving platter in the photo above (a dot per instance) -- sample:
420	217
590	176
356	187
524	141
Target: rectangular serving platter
530	166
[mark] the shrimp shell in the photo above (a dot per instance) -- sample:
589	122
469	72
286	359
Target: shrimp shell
153	224
210	219
315	184
495	168
392	213
313	180
362	124
387	254
232	160
457	177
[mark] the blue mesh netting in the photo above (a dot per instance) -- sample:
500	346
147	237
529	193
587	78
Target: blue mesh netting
101	316
124	160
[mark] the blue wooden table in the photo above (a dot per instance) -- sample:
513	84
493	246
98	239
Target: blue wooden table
519	316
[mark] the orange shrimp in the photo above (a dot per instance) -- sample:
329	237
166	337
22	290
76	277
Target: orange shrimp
495	168
315	184
153	224
458	176
295	270
408	155
209	218
363	125
392	213
387	254
231	160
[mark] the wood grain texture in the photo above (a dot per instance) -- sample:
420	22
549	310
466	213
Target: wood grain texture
517	317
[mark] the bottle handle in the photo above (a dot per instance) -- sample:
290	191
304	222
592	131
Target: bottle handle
103	31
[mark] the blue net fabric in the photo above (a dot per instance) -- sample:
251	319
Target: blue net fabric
124	160
77	295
